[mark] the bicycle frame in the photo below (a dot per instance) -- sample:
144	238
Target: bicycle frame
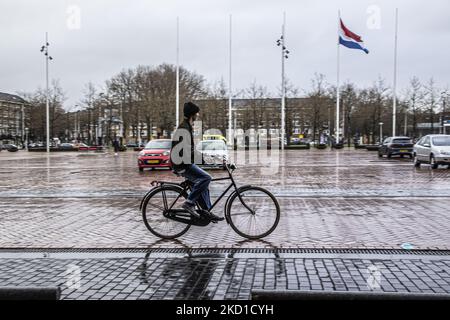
232	184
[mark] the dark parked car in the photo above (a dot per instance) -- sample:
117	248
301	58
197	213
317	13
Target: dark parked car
304	142
67	146
396	146
136	146
9	147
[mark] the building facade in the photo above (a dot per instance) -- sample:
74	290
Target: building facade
13	119
257	114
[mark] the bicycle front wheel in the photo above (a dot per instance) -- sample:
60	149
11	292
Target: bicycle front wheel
263	217
158	201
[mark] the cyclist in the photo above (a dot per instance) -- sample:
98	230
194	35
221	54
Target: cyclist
184	158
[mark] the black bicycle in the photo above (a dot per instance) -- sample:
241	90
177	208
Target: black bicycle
251	211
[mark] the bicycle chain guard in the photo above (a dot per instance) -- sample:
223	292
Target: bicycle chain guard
203	221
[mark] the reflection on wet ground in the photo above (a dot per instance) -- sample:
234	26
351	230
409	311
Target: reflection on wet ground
226	276
305	172
345	198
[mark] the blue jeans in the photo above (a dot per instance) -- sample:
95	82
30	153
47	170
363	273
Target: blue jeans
200	191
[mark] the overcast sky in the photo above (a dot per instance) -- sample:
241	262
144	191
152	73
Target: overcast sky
117	34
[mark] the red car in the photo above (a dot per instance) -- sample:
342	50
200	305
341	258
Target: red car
156	154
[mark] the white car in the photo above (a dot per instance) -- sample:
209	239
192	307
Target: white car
215	153
433	149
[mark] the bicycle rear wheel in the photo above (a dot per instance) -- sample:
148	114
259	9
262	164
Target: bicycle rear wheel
159	200
266	213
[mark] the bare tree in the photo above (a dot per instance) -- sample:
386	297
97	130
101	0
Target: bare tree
349	101
414	100
319	101
431	99
57	117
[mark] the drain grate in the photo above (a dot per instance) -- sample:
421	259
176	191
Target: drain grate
230	250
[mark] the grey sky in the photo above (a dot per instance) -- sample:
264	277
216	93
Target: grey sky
115	34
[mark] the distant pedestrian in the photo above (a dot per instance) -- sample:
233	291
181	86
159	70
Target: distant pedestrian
116	146
332	141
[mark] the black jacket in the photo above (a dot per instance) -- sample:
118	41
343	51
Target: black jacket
185	125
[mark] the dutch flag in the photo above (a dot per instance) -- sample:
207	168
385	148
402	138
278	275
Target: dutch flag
349	39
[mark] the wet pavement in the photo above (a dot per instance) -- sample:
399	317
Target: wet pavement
348	198
328	199
223	275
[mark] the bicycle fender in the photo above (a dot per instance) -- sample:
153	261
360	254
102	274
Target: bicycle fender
245	187
145	197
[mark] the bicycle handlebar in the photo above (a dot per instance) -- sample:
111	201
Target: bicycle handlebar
231	166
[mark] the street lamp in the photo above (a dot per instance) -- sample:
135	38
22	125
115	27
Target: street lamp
26	138
44	49
381	132
284	55
109	105
443	120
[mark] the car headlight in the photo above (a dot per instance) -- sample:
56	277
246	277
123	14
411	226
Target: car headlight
166	153
141	153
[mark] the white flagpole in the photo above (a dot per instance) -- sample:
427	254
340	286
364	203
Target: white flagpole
177	93
394	107
230	102
338	96
47	103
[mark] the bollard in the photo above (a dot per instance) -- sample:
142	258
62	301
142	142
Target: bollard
30	293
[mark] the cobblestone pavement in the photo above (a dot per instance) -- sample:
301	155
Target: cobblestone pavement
224	275
328	199
345	198
334	222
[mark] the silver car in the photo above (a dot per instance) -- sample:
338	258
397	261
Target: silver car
215	153
433	149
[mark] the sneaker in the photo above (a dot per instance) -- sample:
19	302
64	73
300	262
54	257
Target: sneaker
189	207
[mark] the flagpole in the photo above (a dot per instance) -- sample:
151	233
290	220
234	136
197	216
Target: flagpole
177	93
47	102
394	106
230	102
338	96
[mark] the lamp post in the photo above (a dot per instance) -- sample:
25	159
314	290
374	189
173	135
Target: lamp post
284	55
177	87
26	138
443	120
121	122
394	100
44	49
381	132
109	107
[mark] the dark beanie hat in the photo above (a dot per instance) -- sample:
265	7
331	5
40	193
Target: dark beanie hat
190	109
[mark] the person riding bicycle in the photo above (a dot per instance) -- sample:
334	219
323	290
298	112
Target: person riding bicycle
184	160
